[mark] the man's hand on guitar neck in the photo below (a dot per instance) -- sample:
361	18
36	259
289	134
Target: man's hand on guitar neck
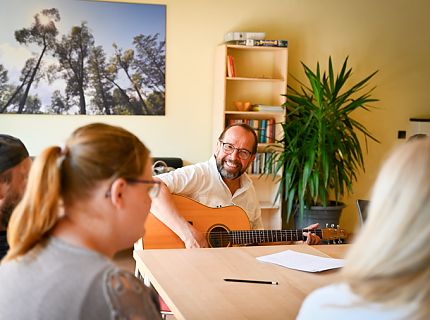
312	238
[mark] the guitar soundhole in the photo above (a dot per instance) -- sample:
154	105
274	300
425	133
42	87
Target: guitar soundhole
218	236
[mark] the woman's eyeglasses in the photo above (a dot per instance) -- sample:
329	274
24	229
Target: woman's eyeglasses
229	149
153	191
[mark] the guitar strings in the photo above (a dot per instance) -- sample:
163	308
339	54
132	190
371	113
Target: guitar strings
317	231
252	236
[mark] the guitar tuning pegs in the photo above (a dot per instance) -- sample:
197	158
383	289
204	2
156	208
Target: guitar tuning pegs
332	225
339	241
326	225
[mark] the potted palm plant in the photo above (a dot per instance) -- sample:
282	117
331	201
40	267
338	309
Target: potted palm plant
320	153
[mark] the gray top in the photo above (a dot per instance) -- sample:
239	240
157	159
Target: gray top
62	281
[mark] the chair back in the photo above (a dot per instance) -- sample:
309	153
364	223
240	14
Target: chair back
362	206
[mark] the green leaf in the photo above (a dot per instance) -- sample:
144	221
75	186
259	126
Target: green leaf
321	152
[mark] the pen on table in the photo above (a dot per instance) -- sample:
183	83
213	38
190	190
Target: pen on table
252	281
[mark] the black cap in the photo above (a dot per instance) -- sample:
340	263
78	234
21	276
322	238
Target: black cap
12	152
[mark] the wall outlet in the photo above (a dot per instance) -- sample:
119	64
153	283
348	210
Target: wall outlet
401	134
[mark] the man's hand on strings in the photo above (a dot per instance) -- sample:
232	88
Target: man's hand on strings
195	239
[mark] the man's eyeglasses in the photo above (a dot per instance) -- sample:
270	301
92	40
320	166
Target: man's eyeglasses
153	191
229	149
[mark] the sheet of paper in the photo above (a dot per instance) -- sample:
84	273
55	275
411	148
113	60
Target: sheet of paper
302	261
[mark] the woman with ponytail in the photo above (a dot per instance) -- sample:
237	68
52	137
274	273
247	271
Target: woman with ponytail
83	203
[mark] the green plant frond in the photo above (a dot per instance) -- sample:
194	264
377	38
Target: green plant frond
311	186
355	151
349	96
279	164
273	150
316	88
307	169
323	195
336	184
341	78
331	74
360	102
290	198
315	181
296	105
286	179
291	91
301	198
343	71
357	125
301	83
325	168
359	85
321	153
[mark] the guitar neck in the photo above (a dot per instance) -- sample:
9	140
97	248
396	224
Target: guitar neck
263	236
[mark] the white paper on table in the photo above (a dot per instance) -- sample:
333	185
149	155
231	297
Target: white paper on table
302	261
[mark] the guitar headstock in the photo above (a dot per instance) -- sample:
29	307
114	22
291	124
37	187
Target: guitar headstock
333	234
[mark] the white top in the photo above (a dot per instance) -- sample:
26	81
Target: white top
203	183
337	301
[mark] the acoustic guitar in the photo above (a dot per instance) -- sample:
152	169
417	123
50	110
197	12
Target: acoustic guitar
223	227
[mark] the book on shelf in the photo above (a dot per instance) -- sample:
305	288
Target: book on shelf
261	164
265	129
230	66
262	43
267	108
270	130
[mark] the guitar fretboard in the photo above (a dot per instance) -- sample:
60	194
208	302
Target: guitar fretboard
261	236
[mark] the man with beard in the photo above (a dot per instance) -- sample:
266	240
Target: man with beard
14	167
216	183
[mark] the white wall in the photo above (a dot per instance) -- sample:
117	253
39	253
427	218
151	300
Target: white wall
389	35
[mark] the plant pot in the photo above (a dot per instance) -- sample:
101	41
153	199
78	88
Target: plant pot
329	215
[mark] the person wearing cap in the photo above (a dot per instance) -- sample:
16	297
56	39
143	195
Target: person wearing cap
15	165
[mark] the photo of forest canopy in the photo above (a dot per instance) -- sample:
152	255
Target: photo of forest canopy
74	57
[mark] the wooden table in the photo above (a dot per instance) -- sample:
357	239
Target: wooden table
191	281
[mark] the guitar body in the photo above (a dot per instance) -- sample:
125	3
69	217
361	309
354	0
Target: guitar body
223	227
203	218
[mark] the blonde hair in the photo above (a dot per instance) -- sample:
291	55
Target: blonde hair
92	154
389	262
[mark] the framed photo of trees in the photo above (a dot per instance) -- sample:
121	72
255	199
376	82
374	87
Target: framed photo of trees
82	57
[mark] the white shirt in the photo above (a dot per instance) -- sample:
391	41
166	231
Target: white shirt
203	183
337	301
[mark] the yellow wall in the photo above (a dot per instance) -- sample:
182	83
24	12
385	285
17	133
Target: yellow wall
389	35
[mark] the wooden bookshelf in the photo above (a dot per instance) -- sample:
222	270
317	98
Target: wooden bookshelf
260	76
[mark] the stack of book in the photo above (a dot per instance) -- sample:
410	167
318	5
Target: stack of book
253	39
235	36
266	108
264	128
262	43
260	165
